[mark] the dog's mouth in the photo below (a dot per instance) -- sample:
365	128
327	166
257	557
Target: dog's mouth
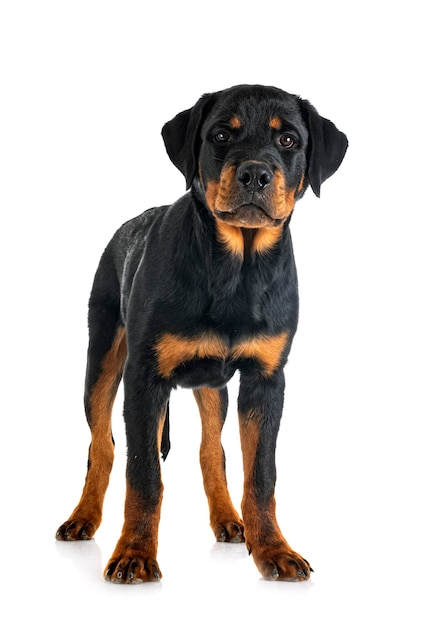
248	216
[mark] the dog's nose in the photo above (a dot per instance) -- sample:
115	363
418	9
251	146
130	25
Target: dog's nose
253	175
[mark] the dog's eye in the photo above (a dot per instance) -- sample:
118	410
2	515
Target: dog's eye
223	136
287	141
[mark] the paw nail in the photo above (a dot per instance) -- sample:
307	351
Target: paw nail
302	573
120	575
275	573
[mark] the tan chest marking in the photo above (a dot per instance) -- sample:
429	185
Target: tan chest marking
174	350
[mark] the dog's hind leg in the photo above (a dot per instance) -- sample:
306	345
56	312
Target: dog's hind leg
106	357
224	520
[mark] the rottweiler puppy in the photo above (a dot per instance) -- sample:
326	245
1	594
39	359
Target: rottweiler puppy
186	295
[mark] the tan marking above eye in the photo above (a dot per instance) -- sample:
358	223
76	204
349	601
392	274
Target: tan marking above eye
235	122
276	123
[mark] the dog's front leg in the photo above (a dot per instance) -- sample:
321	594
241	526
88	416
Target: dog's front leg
134	558
224	520
260	406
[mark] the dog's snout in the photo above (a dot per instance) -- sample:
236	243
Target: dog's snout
254	175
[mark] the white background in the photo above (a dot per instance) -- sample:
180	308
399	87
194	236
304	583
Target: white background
85	90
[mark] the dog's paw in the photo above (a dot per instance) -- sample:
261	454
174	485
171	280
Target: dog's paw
131	568
229	531
281	563
76	530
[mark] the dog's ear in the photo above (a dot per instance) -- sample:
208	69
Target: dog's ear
327	146
181	136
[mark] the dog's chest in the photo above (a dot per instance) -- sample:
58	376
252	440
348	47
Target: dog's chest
234	327
210	359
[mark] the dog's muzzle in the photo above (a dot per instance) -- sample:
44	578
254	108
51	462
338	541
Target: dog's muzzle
251	201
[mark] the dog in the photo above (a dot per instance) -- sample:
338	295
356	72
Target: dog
186	295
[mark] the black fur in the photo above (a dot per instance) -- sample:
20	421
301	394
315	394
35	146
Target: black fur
169	271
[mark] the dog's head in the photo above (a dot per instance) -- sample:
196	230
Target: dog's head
253	151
